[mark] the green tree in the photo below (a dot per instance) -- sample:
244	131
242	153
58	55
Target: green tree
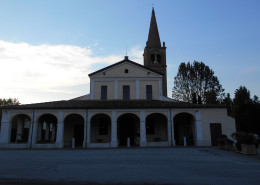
6	102
9	101
246	111
197	82
229	104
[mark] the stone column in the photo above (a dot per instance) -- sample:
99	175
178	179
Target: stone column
114	142
35	126
92	89
5	129
198	128
169	124
85	129
143	142
88	130
60	131
29	142
172	128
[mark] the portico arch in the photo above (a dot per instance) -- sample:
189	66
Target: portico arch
73	128
128	126
20	128
156	128
47	128
100	131
184	126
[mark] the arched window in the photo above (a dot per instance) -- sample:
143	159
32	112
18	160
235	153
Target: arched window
158	58
152	58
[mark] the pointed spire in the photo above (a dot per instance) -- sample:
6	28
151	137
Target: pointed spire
153	37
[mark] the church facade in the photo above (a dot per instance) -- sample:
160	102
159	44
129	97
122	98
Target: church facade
127	107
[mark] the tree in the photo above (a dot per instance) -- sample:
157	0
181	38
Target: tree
246	111
197	82
229	104
256	99
6	102
9	101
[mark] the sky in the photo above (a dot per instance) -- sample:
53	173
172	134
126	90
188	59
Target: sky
48	47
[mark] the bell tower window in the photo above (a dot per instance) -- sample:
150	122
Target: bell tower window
152	58
158	58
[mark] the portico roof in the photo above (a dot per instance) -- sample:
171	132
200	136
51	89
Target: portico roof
110	104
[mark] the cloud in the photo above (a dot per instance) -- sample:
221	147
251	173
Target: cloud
47	72
136	54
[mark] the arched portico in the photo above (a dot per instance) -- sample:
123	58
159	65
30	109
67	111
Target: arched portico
156	128
73	128
184	126
100	131
20	129
128	126
47	128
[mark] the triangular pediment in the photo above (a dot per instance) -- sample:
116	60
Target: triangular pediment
126	68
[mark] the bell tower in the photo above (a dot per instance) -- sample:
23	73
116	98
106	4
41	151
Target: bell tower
155	54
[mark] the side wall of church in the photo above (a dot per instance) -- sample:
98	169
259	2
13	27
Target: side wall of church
209	116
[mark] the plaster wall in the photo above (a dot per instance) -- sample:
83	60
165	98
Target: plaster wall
110	89
216	116
155	88
132	86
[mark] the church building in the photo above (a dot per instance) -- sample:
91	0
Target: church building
127	107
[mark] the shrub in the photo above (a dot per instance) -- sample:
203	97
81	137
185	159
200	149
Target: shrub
243	138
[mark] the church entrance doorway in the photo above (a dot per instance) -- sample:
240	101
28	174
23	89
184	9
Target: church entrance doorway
184	129
73	130
128	128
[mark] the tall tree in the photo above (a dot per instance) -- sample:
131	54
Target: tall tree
197	81
229	104
246	111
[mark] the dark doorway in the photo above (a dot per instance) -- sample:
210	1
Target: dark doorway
79	135
216	132
156	128
128	127
184	127
20	128
74	128
100	129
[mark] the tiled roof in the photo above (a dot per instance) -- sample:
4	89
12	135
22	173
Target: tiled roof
125	60
110	104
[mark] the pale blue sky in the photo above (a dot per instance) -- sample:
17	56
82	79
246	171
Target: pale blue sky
224	34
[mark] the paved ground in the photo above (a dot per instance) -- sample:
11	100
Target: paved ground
180	166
